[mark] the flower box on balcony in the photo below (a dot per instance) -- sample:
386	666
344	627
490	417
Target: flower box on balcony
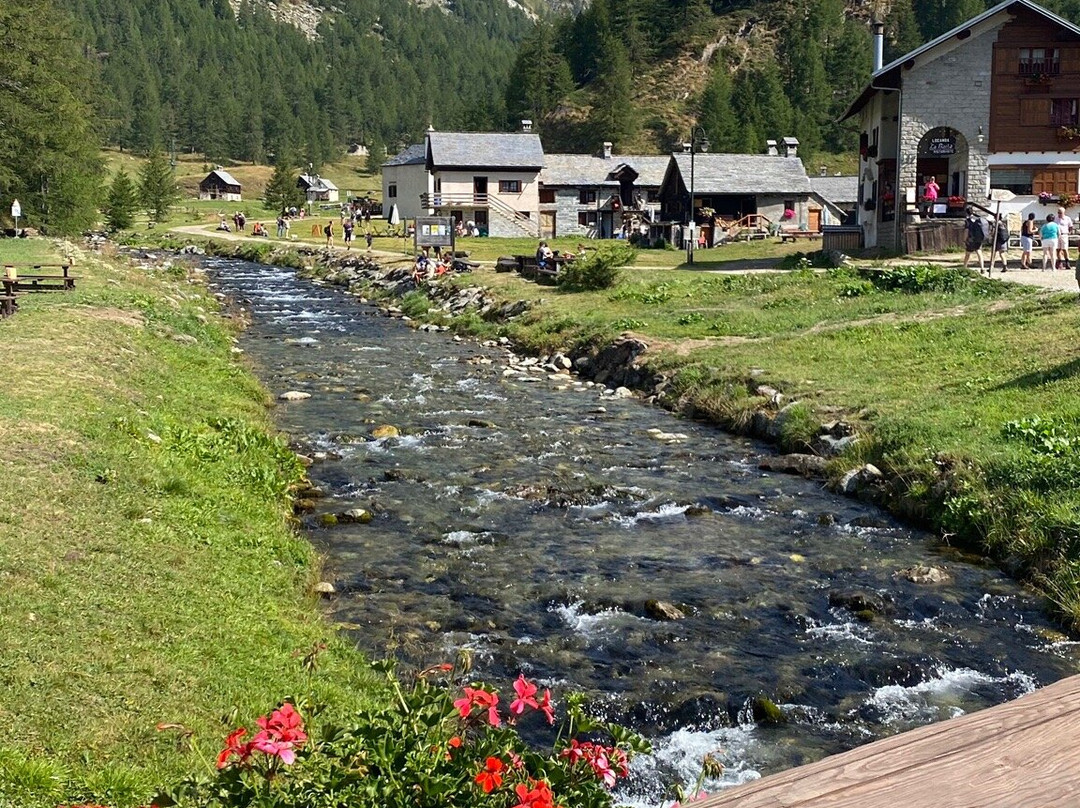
1038	80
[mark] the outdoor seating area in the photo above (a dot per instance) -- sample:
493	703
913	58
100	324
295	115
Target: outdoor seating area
41	278
528	267
794	234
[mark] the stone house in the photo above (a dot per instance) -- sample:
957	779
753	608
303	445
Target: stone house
220	184
488	178
317	189
990	109
599	196
744	191
838	197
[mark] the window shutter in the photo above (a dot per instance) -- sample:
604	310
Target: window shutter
1034	111
1006	60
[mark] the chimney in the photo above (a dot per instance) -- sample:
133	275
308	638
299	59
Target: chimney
823	171
526	125
791	147
770	148
879	45
607	150
686	147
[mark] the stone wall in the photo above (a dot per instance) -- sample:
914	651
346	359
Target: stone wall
953	90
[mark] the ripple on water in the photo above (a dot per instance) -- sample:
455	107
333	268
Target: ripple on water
948	693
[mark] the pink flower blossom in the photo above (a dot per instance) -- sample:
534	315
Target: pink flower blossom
525	691
545	707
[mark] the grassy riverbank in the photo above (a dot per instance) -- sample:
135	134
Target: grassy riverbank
964	391
149	571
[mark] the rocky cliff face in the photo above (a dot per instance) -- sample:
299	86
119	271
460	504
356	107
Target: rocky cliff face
298	13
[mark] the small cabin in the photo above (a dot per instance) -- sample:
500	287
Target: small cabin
220	184
317	189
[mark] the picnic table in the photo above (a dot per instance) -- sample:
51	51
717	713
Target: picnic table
794	235
15	280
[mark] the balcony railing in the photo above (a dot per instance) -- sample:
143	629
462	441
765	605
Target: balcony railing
457	200
1042	67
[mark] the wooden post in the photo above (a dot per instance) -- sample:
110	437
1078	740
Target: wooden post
10	273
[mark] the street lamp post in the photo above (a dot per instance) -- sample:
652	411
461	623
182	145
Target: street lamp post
698	142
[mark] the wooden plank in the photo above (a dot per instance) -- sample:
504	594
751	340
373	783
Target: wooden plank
1017	755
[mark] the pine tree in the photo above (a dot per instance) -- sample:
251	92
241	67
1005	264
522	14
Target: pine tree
157	186
122	202
376	157
539	79
281	192
716	114
613	115
902	34
49	156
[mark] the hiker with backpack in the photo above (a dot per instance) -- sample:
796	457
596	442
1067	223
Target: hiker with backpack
328	231
976	233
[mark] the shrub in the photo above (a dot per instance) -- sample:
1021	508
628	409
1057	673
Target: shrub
600	270
918	279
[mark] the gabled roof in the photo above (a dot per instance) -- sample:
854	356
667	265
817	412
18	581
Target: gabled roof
222	175
316	183
410	156
888	76
742	173
837	190
484	150
578	170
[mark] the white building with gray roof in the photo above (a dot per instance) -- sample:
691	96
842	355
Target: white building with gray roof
488	178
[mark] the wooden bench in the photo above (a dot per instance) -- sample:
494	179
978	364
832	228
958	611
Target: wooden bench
8	305
506	263
795	235
15	280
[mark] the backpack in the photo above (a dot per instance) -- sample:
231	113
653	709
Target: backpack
1002	233
326	230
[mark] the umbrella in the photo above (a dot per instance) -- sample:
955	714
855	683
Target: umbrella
395	216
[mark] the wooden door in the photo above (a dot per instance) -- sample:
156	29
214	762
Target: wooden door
547	224
813	220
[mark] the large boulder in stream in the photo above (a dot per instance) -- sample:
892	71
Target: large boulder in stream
860	601
662	610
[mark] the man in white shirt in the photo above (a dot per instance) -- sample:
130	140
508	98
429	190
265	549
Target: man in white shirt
1065	226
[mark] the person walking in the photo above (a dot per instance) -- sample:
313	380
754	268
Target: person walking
975	235
1065	226
1028	231
1001	244
347	229
328	231
368	239
1049	235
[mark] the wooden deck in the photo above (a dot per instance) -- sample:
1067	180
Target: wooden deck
1022	754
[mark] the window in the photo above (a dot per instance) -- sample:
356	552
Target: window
653	196
1065	111
789	204
391	190
547	196
587	218
1040	61
509	186
587	197
1018	180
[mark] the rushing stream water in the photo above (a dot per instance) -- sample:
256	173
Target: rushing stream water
530	518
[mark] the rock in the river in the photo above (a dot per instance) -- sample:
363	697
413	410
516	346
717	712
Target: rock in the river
666	437
324	588
924	574
805	464
662	610
859	600
765	711
860	478
385	431
294	395
354	515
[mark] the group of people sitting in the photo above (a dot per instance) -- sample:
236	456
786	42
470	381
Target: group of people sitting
427	268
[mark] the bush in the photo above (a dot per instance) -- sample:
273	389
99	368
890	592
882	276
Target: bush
918	279
600	270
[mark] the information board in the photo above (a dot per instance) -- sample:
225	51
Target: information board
435	231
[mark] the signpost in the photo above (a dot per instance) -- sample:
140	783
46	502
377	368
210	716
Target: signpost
16	212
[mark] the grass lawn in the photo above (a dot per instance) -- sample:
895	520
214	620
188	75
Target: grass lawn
149	571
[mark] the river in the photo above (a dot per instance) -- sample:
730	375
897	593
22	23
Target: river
528	517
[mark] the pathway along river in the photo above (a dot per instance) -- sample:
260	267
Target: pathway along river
530	519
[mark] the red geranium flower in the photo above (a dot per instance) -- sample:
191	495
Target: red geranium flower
234	747
490	777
